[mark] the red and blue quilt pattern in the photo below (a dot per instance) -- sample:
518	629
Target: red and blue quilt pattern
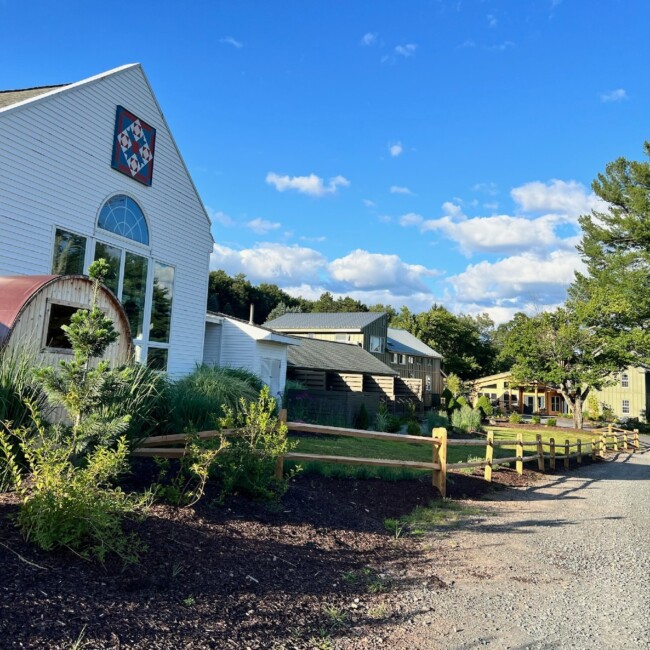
133	146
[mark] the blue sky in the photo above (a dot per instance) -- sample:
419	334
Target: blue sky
404	153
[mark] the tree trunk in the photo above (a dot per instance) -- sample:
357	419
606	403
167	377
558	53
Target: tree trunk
577	412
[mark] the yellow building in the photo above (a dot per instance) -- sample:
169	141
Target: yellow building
629	397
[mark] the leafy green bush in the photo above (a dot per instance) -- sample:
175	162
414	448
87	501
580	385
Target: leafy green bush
485	405
247	464
361	419
461	400
551	422
447	396
535	419
394	424
202	398
466	419
593	407
413	428
75	507
514	418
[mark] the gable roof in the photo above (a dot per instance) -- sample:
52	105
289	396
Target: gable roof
19	99
324	321
257	332
316	354
9	97
404	342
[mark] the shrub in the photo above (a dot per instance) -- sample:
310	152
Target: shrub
202	398
76	507
593	407
462	401
514	418
247	464
413	428
394	424
447	396
382	417
535	419
485	405
551	422
436	420
466	419
361	419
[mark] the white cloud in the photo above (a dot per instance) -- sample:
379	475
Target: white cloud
216	216
528	278
617	95
385	218
229	40
369	39
410	219
262	226
406	50
486	188
369	204
492	21
268	262
319	239
312	184
397	189
569	197
371	271
466	44
395	149
501	47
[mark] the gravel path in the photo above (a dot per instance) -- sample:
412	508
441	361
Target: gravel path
562	564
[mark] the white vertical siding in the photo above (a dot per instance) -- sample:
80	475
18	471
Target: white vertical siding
275	351
238	348
55	171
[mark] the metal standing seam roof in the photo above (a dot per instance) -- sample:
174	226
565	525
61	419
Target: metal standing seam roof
316	354
324	321
405	343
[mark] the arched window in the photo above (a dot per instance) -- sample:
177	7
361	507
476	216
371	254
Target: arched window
122	215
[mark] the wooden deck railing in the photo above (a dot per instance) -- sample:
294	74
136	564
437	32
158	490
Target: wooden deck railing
596	446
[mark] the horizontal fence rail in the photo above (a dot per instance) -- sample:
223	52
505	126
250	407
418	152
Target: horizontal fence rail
596	446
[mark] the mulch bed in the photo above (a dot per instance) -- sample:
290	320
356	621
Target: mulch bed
319	565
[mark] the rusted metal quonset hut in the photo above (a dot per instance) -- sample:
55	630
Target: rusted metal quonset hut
33	308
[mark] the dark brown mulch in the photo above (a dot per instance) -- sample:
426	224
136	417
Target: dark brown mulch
242	575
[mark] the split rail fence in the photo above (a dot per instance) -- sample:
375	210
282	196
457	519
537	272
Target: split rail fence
554	451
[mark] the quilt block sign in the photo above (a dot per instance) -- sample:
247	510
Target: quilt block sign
133	146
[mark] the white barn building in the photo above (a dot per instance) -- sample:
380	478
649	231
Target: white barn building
91	170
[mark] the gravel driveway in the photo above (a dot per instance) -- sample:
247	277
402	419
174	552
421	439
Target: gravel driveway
562	564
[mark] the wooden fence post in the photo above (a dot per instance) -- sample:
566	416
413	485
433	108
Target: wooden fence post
636	440
440	458
603	444
520	454
579	457
279	461
625	441
567	451
551	462
594	448
489	454
540	453
609	434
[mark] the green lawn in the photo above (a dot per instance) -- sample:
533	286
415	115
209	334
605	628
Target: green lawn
369	448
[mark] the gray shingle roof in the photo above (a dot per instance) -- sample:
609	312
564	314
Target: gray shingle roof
316	354
9	97
405	343
324	321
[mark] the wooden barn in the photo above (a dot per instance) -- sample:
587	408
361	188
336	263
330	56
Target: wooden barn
34	307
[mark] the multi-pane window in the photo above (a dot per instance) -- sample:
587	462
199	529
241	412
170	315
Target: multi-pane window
122	216
625	407
377	344
555	403
625	380
69	253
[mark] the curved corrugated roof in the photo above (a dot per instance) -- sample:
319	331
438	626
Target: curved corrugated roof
15	293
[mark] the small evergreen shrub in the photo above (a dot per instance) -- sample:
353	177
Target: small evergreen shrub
394	424
382	417
466	419
535	419
551	422
514	418
485	405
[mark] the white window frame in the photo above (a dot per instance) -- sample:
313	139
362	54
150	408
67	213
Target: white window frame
625	380
625	407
